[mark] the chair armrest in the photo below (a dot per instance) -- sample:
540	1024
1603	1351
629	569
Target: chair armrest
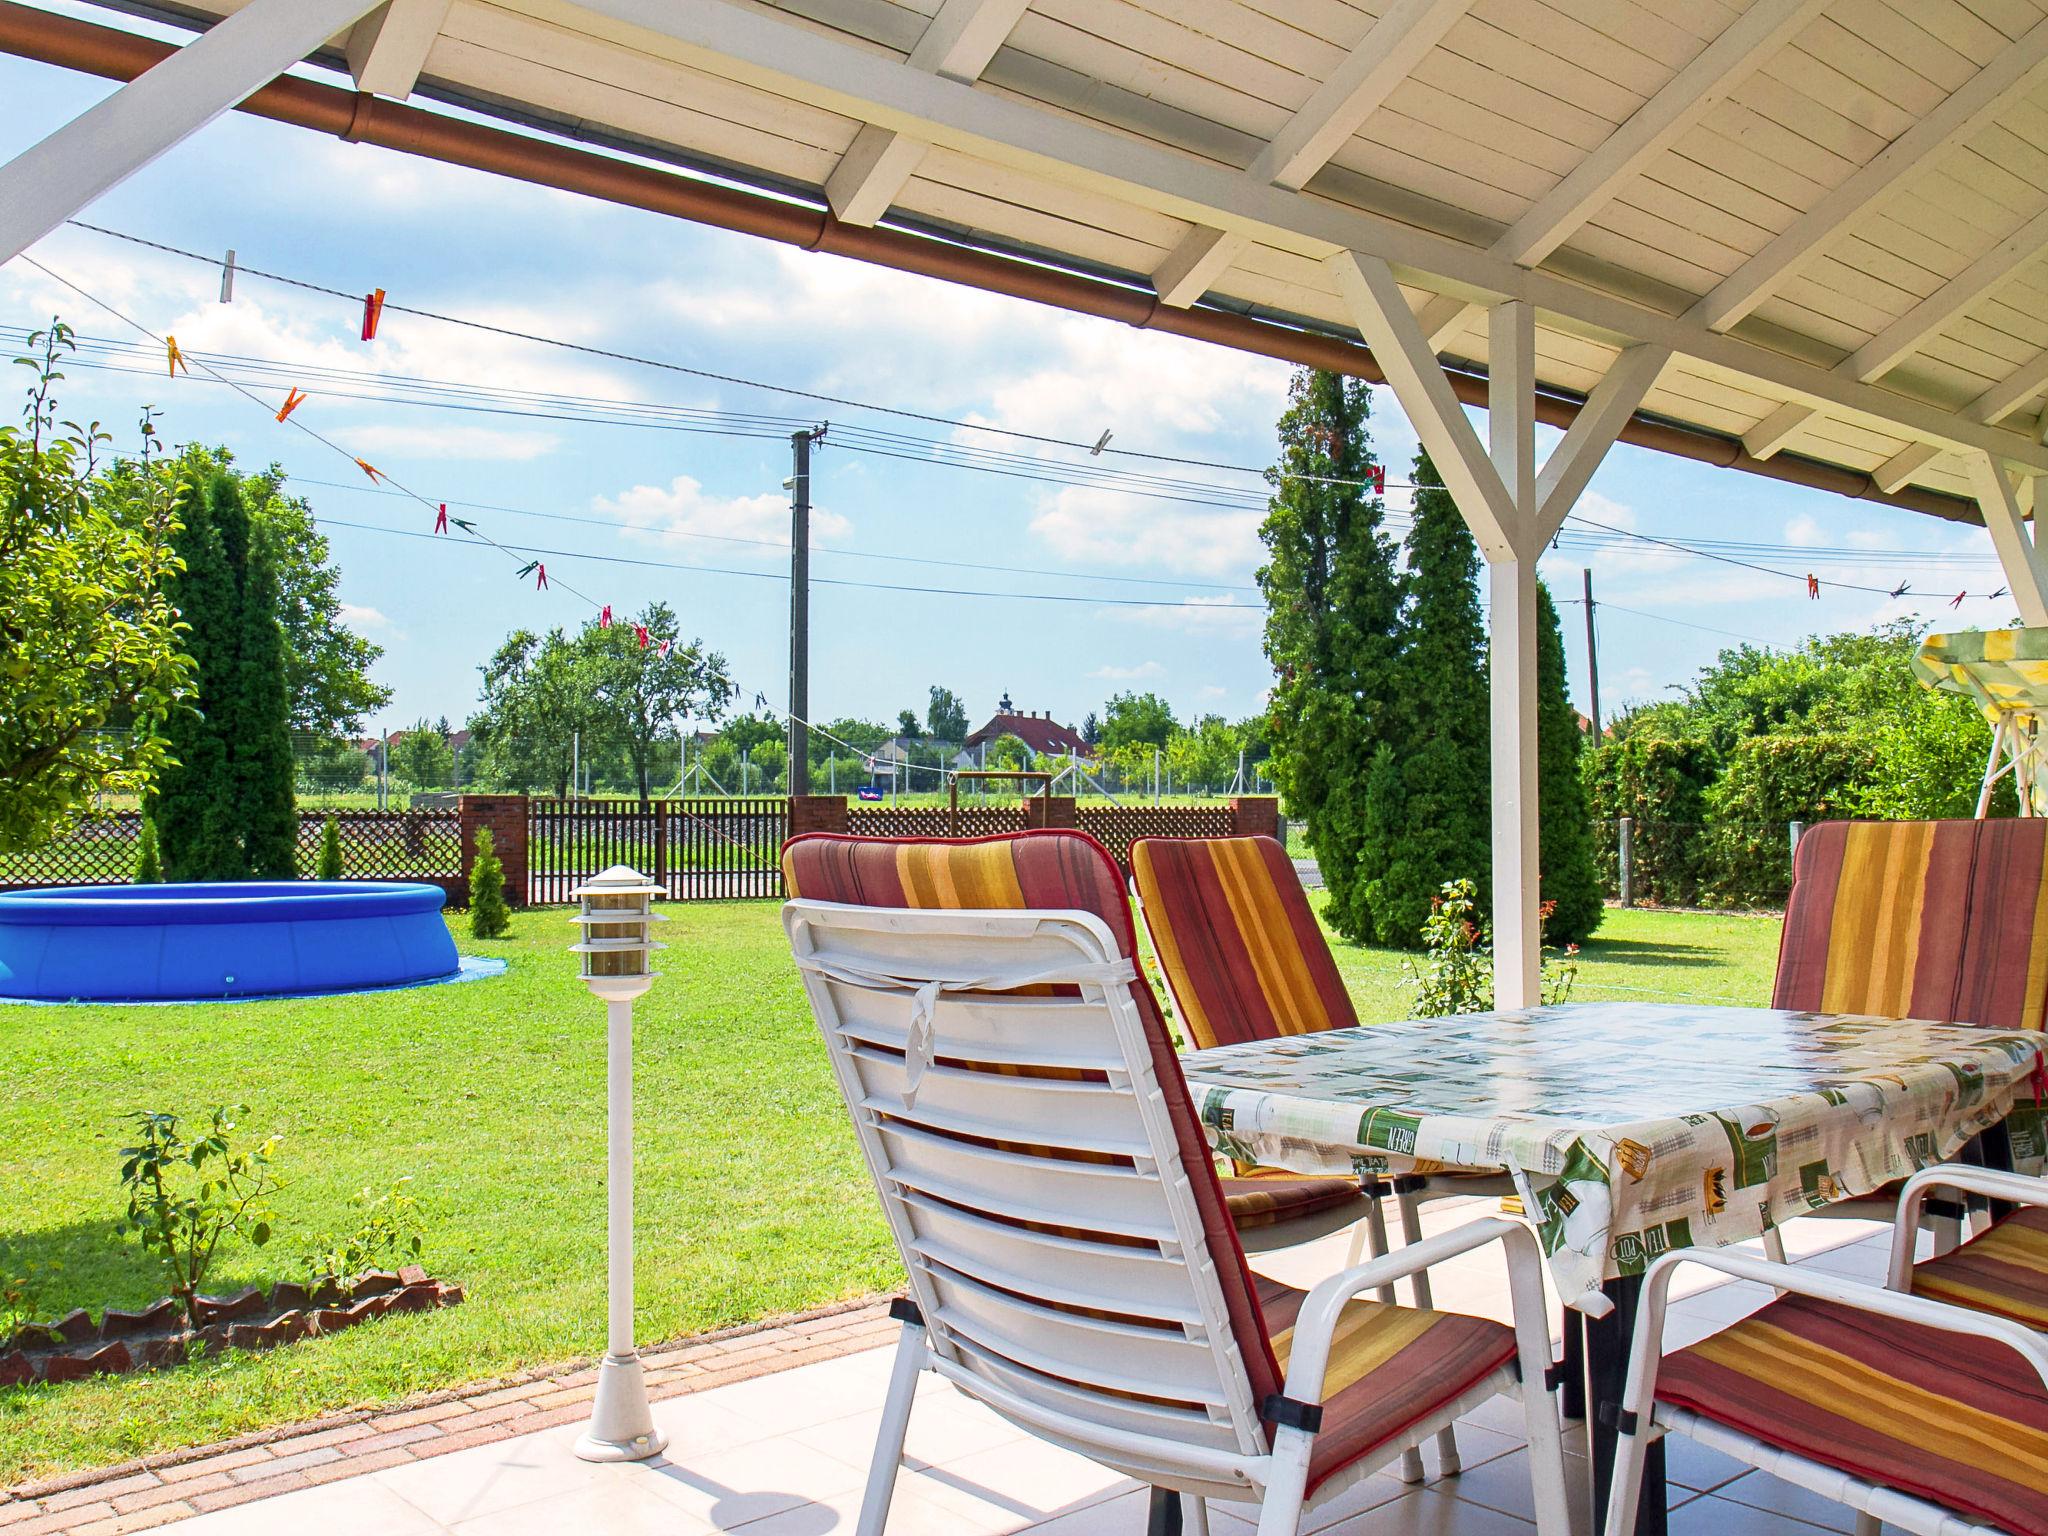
1964	1177
1316	1324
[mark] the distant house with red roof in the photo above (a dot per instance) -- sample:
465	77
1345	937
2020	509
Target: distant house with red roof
1041	733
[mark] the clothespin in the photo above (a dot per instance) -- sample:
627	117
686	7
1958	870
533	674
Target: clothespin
292	401
640	634
1996	595
1379	482
1957	600
1101	443
760	701
466	527
662	649
373	311
540	577
370	469
527	569
1812	586
441	519
227	279
175	359
604	617
1901	590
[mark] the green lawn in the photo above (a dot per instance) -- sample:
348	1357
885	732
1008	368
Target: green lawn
490	1094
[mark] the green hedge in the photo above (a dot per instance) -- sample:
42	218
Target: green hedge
1745	856
1662	783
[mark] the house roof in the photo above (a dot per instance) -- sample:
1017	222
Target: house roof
1834	213
1041	733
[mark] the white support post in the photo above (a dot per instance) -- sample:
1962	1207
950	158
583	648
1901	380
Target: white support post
1511	627
2004	519
46	184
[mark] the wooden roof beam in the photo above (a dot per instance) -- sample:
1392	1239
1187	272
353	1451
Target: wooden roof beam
388	48
1747	43
737	43
958	42
1925	320
1776	429
2012	391
1356	88
2016	71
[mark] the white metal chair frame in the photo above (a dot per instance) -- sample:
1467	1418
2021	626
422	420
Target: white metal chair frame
1643	1420
899	994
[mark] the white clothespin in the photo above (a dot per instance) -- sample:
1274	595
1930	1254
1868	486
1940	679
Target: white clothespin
227	279
1101	443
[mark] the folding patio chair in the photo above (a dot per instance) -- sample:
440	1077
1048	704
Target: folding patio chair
1898	1402
1071	1262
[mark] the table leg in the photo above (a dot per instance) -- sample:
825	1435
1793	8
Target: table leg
1607	1345
1571	1398
1163	1518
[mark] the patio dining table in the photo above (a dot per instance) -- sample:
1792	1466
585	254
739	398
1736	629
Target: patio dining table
1630	1129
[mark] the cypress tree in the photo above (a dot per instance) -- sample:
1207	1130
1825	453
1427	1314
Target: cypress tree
149	869
489	917
225	810
1571	882
1427	801
1333	609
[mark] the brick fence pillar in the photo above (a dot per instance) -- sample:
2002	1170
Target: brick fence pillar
1058	811
505	816
817	813
1256	816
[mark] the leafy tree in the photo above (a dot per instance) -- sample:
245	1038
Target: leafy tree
1333	614
946	716
225	809
1427	801
91	660
907	724
1008	752
422	758
535	704
1205	753
1571	880
643	694
746	732
489	918
1135	719
333	766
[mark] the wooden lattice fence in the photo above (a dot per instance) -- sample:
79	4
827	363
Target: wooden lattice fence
1118	826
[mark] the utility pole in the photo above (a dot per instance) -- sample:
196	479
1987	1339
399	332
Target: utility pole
799	483
1592	659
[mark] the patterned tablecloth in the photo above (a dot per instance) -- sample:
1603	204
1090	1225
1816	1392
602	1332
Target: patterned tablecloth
1631	1128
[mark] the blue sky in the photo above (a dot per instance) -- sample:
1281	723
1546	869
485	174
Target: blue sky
463	243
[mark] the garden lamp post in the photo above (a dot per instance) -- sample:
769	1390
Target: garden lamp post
617	921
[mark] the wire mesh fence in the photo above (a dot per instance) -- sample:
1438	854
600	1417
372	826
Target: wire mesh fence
1728	865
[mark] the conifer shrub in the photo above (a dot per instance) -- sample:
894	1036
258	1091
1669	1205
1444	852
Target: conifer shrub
489	917
330	851
149	869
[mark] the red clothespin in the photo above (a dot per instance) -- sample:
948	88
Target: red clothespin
1812	586
174	358
640	634
1957	600
1379	479
441	519
292	401
370	469
604	617
373	311
662	649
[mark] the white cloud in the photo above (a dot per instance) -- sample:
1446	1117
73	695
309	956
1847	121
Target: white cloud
682	514
1115	674
1096	527
1222	614
361	616
452	442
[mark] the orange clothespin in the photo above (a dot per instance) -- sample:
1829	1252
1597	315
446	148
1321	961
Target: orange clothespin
373	311
292	401
370	469
174	358
1812	586
441	519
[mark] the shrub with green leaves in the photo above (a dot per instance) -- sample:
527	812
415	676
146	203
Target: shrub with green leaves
1456	975
388	1232
489	917
149	868
330	851
186	1196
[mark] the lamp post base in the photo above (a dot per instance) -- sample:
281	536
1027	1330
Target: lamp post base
621	1425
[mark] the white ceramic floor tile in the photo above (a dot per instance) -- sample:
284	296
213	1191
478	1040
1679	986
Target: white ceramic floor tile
622	1506
942	1428
918	1508
743	1483
487	1478
1031	1478
346	1508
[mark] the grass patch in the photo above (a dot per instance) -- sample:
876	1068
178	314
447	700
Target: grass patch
752	1200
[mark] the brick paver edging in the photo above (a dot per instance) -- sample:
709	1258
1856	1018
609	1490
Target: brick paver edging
169	1486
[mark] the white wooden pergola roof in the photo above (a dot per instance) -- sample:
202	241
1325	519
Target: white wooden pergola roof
1833	212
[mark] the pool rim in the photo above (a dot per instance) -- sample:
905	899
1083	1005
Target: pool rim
172	904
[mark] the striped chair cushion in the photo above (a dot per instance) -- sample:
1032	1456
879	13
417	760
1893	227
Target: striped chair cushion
2004	1270
1268	1197
1046	870
1390	1367
2004	968
1958	1421
1875	922
1242	952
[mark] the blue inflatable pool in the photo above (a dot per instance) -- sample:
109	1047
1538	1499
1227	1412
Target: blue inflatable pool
133	943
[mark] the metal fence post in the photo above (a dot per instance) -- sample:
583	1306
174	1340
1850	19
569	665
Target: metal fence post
1794	831
1626	830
